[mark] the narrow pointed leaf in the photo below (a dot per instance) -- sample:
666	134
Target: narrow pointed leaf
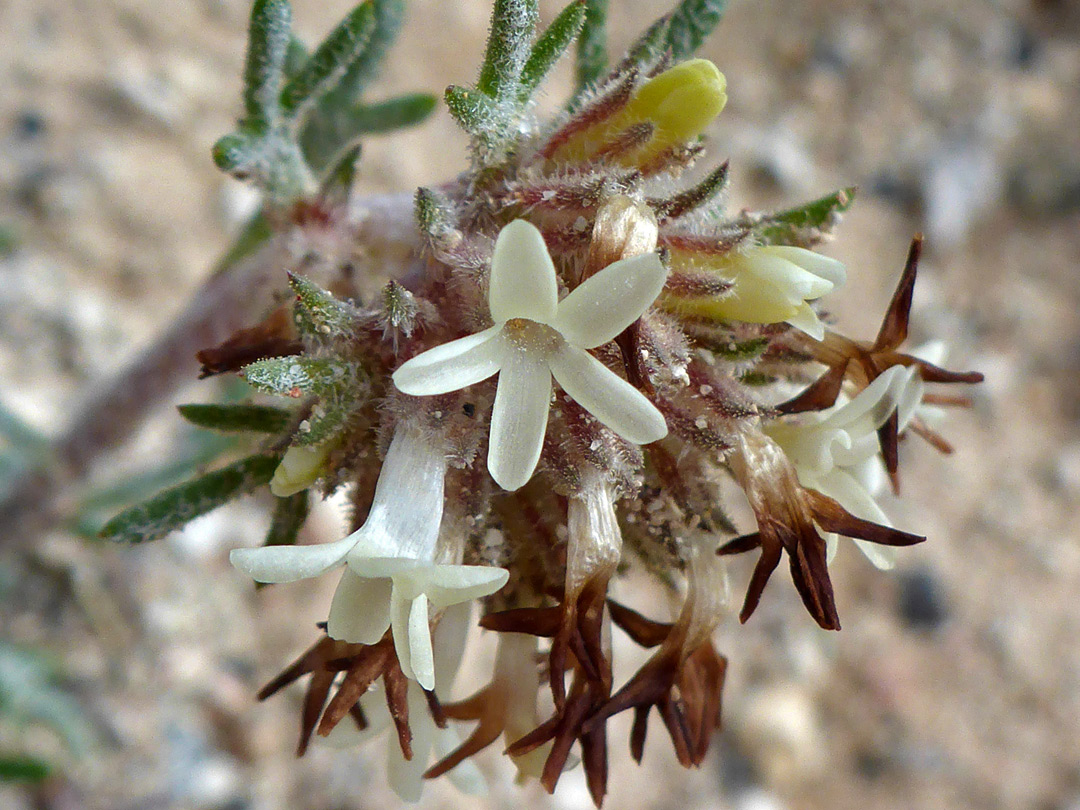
512	26
333	128
805	225
551	45
344	45
175	507
318	313
434	216
592	45
689	25
338	181
289	516
25	769
237	418
474	111
388	15
268	46
395	113
296	56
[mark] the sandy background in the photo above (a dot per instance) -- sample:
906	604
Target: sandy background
956	681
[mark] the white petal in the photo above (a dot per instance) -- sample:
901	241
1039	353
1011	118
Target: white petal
910	398
465	776
607	396
406	776
605	304
849	493
449	641
827	268
421	656
400	611
447	585
360	611
806	320
523	283
453	365
796	282
289	563
518	419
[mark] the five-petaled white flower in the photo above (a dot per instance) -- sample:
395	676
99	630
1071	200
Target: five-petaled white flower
835	451
535	337
392	575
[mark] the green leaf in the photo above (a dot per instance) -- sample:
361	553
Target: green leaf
741	351
689	25
344	45
318	313
23	769
295	57
295	376
475	112
389	14
512	26
173	508
399	112
268	45
237	418
592	45
332	129
236	154
550	46
434	215
289	515
804	225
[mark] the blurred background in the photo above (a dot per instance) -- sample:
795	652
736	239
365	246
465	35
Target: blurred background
127	675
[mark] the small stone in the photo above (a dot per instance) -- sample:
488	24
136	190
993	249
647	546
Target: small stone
921	604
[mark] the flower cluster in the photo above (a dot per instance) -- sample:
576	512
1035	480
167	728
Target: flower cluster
579	350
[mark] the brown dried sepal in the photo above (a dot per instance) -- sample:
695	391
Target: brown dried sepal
684	685
275	336
864	363
362	665
791	528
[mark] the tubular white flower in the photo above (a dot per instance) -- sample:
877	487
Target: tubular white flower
535	337
836	452
770	284
406	776
391	578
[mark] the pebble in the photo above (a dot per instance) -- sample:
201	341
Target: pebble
921	602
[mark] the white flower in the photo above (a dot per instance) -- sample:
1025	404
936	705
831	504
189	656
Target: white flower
769	284
536	336
836	451
406	776
392	577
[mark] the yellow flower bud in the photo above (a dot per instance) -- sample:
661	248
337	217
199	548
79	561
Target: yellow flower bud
300	467
679	104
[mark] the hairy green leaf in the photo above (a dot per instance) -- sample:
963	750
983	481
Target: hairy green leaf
318	313
26	769
474	111
328	64
332	129
389	15
173	508
551	45
512	25
264	70
804	225
741	351
296	376
434	216
689	25
237	418
289	515
592	45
